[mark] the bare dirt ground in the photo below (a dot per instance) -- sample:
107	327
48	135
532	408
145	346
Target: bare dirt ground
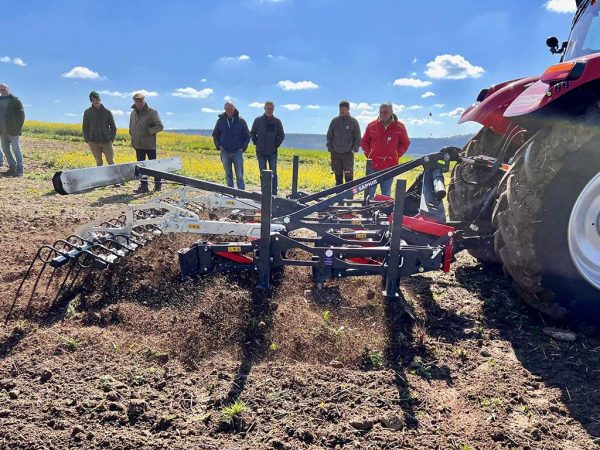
144	360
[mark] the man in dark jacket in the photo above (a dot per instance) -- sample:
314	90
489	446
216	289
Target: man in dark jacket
343	140
99	130
267	134
231	137
144	125
12	117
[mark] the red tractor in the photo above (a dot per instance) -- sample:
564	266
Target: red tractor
544	211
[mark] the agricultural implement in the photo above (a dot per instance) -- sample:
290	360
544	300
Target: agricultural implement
337	233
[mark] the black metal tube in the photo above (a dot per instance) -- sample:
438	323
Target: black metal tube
392	276
438	184
368	170
264	255
295	169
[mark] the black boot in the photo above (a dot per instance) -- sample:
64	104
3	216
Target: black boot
10	172
18	172
142	189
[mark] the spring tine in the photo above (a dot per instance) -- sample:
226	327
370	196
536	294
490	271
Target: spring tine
62	285
14	303
50	278
28	307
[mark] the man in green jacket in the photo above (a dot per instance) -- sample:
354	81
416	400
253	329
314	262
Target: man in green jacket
12	118
144	124
99	130
343	140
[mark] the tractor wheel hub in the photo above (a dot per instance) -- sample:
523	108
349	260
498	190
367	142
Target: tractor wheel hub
584	232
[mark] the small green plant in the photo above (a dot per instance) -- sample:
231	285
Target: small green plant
273	347
492	362
72	343
463	447
233	412
71	308
327	316
376	358
156	354
490	403
420	368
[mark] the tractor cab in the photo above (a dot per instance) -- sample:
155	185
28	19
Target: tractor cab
585	33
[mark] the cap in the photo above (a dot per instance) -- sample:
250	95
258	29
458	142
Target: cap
138	95
94	94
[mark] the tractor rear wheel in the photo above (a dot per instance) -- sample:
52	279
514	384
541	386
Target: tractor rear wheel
469	186
548	221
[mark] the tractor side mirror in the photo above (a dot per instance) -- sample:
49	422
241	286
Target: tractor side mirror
552	43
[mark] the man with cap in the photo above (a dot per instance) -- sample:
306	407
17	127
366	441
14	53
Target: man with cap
12	118
231	136
343	140
144	124
99	130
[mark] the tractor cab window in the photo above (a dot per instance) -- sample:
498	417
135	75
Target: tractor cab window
585	36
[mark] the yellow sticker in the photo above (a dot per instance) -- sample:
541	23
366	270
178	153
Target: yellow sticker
361	236
356	222
234	249
229	202
193	226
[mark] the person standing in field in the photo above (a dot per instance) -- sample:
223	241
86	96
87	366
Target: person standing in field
12	118
99	130
144	125
267	134
384	143
231	137
343	140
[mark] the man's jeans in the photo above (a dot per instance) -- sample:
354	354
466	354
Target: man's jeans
14	162
237	160
384	186
272	161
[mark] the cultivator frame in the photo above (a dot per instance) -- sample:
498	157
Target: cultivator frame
347	236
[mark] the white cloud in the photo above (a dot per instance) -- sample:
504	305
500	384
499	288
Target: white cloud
313	107
454	113
55	101
71	114
256	105
439	105
228	98
561	6
420	122
15	61
362	106
169	113
365	116
428	94
414	107
288	85
203	80
117	112
83	73
209	110
190	92
129	94
411	82
291	106
277	57
452	67
235	58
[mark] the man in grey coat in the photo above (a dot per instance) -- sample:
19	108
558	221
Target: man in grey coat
267	134
144	125
343	140
12	118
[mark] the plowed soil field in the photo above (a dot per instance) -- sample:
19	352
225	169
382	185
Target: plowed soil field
140	359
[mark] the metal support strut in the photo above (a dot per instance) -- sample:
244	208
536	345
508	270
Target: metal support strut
264	255
392	274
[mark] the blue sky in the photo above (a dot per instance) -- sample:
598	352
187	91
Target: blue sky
430	58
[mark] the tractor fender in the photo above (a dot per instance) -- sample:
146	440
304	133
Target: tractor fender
540	94
491	105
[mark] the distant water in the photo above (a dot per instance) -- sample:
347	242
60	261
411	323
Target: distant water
418	146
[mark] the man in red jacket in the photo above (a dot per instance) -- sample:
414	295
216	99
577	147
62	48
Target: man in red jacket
384	142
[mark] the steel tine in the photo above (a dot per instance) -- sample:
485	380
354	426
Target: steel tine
62	285
28	307
14	303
